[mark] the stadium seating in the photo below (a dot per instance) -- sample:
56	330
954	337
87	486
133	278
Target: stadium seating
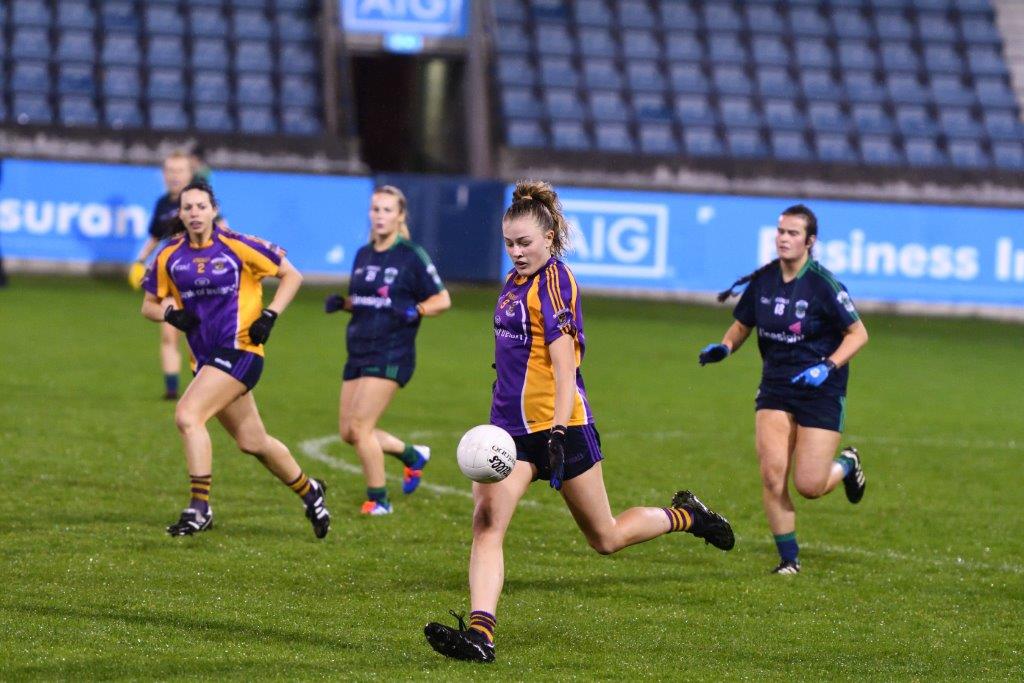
918	83
223	66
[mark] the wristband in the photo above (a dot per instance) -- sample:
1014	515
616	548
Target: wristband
830	364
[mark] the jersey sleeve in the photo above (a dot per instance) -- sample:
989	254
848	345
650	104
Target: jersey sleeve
841	309
261	257
154	221
426	282
559	302
158	279
745	310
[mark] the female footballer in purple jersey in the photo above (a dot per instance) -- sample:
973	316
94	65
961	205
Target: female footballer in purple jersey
393	287
206	283
807	331
540	399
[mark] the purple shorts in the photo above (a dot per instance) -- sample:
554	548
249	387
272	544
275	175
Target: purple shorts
245	366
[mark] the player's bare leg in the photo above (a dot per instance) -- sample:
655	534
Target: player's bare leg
776	439
815	471
587	499
361	405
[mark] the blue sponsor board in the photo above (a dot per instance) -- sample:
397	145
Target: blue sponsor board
100	213
898	253
439	18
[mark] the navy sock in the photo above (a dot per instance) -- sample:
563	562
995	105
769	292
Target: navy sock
171	383
787	545
409	456
379	495
846	463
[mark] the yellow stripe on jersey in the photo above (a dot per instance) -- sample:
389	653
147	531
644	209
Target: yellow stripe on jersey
538	397
255	266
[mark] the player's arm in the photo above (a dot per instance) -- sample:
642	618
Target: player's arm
153	307
735	336
731	342
854	338
435	304
147	249
563	364
291	280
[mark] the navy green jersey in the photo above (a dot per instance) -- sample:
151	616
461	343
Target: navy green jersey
164	222
799	323
383	282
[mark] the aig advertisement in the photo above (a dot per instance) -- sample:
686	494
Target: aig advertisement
904	253
100	213
417	17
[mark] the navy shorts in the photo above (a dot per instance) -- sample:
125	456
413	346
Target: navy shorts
245	366
582	451
808	407
396	373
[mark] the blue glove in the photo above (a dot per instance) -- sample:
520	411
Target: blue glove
556	456
407	314
815	375
712	353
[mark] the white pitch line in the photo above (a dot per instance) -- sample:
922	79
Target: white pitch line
316	449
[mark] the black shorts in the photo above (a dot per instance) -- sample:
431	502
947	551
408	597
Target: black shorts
808	407
245	366
397	373
582	451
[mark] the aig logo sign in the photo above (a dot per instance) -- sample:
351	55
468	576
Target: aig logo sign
618	239
420	17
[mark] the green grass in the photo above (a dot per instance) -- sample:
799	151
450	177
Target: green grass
924	580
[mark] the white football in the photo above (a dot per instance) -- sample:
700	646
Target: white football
486	454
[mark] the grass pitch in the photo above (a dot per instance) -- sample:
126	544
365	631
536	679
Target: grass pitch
923	580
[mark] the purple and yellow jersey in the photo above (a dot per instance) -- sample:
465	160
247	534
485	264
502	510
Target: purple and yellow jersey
220	283
531	313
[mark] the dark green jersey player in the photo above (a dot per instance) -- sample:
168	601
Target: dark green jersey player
392	287
807	331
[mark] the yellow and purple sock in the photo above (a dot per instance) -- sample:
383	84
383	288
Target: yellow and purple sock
679	519
200	486
787	545
303	486
483	622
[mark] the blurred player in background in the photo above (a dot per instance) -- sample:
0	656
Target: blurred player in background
539	399
206	283
177	171
807	332
393	286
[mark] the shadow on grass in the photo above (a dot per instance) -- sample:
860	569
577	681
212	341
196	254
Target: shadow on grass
199	626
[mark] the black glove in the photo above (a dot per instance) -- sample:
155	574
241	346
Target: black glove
259	331
185	321
556	456
335	302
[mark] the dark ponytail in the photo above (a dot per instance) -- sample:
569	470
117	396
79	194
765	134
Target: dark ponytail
725	294
810	220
